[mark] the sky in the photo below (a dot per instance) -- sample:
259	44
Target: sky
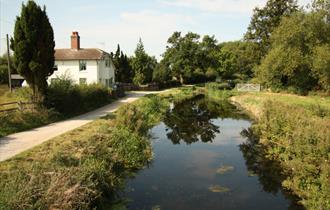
105	23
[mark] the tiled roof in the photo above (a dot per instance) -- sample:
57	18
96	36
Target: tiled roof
81	54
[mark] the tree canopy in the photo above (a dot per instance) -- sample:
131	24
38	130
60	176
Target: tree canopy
143	65
266	19
191	59
299	54
4	68
33	45
124	72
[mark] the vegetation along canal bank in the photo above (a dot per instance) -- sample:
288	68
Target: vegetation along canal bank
184	149
292	133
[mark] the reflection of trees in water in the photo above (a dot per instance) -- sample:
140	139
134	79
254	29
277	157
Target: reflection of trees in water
191	121
269	172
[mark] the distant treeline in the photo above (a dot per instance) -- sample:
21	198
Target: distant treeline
285	48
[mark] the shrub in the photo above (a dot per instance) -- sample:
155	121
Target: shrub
300	141
70	99
141	116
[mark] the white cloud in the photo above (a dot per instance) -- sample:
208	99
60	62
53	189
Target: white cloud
224	6
153	27
233	6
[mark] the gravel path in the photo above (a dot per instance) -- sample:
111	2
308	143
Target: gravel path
16	143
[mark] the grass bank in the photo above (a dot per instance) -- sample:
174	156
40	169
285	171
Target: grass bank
17	121
294	132
63	100
85	168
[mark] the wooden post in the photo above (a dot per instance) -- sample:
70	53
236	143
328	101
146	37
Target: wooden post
20	105
9	72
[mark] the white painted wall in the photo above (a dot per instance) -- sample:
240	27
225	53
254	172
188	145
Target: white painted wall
106	72
96	71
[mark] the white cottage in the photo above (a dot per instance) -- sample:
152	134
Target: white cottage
83	65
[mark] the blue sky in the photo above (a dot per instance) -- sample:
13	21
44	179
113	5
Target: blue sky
105	23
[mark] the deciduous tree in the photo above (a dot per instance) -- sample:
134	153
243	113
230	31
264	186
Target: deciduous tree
266	19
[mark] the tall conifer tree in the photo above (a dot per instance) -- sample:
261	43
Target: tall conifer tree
33	45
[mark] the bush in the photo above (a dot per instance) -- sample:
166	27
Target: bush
141	116
300	141
70	99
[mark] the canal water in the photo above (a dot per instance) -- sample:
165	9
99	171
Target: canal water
202	161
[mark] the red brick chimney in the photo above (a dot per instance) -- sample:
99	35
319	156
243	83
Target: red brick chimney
75	41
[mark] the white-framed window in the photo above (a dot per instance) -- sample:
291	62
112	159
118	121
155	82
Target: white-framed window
82	65
82	81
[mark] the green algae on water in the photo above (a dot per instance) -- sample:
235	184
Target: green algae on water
224	169
218	189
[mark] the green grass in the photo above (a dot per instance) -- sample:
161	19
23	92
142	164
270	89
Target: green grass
254	102
61	104
18	94
294	132
86	167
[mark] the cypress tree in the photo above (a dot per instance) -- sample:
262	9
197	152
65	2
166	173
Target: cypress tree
33	45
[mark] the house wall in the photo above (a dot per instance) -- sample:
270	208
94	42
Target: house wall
106	74
96	71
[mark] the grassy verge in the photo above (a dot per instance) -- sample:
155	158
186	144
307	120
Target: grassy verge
294	132
255	102
17	121
63	100
85	168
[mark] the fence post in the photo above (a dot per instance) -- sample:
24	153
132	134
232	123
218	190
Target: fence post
20	105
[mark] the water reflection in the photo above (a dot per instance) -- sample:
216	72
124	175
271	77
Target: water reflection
228	173
191	121
268	171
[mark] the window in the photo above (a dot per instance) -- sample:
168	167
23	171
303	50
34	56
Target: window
107	63
109	82
82	81
82	65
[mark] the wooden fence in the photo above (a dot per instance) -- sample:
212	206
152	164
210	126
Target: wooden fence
17	106
248	87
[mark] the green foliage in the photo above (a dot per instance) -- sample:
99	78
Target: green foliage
141	116
124	71
87	167
188	58
266	19
298	45
300	141
321	65
219	91
161	73
143	65
4	68
18	121
33	45
70	99
237	60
